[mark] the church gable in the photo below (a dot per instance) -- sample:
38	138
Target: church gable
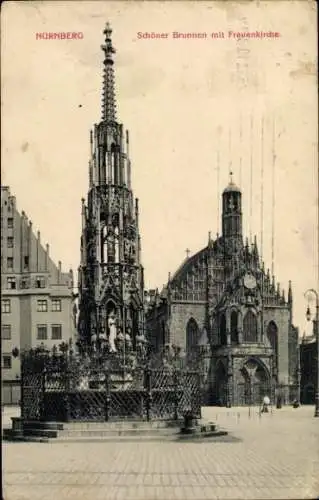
190	281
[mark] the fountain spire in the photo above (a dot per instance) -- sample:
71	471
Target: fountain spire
108	92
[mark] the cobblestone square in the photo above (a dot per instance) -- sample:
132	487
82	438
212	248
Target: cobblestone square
275	456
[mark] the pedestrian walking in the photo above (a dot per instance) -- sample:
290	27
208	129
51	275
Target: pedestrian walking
266	403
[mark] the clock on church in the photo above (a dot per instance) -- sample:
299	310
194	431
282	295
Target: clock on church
250	281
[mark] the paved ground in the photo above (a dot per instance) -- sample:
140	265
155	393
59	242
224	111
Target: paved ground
276	457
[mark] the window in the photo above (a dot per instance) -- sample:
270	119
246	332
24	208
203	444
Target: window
5	306
40	282
26	262
272	334
42	333
11	283
56	332
42	306
10	242
250	327
10	262
192	336
24	283
222	330
234	327
10	222
6	332
56	305
6	361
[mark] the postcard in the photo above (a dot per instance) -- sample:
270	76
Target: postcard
160	217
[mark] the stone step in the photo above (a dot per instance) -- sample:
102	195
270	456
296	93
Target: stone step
35	424
159	437
43	436
12	435
41	433
8	433
115	439
119	425
32	439
103	432
49	433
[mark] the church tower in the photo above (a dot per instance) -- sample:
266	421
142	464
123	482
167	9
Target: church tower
110	273
232	217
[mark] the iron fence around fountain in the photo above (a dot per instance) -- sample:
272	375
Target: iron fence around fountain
59	386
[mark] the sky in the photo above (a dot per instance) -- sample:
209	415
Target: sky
195	108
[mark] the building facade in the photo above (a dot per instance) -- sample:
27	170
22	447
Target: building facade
37	301
224	307
110	274
308	367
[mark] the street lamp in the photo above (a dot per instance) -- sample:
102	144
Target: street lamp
308	317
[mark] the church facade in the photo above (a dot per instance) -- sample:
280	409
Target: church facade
110	274
222	308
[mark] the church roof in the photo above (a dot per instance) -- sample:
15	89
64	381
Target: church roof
187	263
232	188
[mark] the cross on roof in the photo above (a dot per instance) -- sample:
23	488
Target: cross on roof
231	177
187	252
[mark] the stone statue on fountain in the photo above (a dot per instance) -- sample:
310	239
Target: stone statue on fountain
112	331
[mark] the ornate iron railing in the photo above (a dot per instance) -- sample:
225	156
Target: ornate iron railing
96	386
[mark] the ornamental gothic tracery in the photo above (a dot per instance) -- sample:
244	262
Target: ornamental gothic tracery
221	307
110	274
226	290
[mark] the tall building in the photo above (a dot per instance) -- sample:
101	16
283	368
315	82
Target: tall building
110	273
36	296
222	302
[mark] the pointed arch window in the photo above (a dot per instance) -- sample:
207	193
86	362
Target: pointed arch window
115	164
250	327
234	327
192	335
272	335
222	330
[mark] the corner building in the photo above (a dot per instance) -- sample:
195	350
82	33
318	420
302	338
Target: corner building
222	307
308	367
110	273
37	300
